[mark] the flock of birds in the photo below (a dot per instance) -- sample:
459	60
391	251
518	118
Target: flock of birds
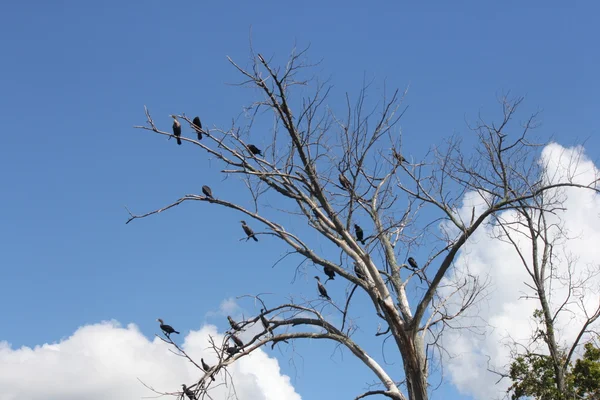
238	344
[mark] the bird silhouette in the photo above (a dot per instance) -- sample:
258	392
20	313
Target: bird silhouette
167	329
207	192
234	325
322	290
329	272
206	368
254	150
176	129
189	393
249	231
359	234
198	127
413	263
345	182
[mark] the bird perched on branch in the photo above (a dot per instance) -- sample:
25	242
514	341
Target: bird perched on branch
413	263
358	270
232	350
198	127
322	290
234	325
329	272
206	368
207	192
176	129
359	234
189	393
398	156
167	329
254	150
249	232
265	322
345	182
237	341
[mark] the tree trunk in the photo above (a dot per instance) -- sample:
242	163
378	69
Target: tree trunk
413	355
414	368
557	361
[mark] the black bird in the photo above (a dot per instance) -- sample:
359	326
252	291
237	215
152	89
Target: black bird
345	182
198	127
234	325
265	322
329	272
360	274
249	231
167	329
359	234
413	263
207	192
237	341
176	129
398	156
254	150
189	393
206	368
232	350
322	290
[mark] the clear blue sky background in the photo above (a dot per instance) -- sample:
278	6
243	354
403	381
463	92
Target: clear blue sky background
75	76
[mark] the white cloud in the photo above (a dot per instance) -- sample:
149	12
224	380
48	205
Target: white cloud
104	361
508	314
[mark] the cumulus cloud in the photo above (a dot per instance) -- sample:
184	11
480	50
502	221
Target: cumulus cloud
508	314
105	361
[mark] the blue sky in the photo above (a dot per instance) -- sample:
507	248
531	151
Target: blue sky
75	78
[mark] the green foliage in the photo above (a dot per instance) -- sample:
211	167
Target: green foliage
533	377
586	373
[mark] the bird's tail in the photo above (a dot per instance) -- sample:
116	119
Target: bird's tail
255	238
199	135
176	332
178	141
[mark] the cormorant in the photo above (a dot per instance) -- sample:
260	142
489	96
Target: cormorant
249	231
398	156
345	182
234	325
254	150
329	272
359	234
167	329
413	263
198	127
360	274
237	341
176	129
206	368
207	192
189	393
232	350
322	290
265	322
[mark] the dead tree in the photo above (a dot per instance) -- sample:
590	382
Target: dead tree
311	147
560	286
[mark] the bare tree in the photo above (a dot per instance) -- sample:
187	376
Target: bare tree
329	170
561	287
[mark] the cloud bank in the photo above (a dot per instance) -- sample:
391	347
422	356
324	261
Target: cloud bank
509	315
104	361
